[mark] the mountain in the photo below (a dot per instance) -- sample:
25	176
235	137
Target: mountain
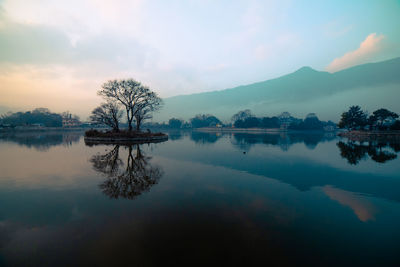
306	90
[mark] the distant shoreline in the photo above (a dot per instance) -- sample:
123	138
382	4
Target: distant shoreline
41	129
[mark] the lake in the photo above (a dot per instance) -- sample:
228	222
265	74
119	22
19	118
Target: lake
199	198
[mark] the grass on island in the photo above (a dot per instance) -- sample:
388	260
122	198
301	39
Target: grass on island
121	134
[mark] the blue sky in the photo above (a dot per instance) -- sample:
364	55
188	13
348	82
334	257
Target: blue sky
58	53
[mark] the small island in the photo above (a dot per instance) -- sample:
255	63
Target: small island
138	102
124	137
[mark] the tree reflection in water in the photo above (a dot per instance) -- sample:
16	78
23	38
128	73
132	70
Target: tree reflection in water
126	179
42	141
245	141
380	152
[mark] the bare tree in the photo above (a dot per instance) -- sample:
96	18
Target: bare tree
144	110
133	96
108	114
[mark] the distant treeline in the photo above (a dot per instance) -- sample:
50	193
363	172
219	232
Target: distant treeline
357	119
245	119
38	117
199	121
353	119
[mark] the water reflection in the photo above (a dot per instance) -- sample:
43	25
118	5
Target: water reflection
41	141
244	141
129	178
204	138
175	135
280	202
380	152
364	209
284	140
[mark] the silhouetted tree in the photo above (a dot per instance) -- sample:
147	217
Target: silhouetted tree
249	122
379	116
242	115
108	114
137	99
204	120
310	123
39	115
395	125
268	122
353	118
239	119
145	109
175	123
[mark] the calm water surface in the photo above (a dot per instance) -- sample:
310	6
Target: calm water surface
233	199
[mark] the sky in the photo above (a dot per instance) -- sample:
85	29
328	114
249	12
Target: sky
57	54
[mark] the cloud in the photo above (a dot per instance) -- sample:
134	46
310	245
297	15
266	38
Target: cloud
175	47
39	44
369	49
53	86
76	17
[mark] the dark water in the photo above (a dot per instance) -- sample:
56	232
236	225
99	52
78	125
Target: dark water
199	198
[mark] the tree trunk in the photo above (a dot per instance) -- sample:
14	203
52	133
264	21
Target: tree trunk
137	124
116	124
138	152
128	119
130	123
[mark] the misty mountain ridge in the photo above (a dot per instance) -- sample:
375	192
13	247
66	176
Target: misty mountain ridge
306	90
